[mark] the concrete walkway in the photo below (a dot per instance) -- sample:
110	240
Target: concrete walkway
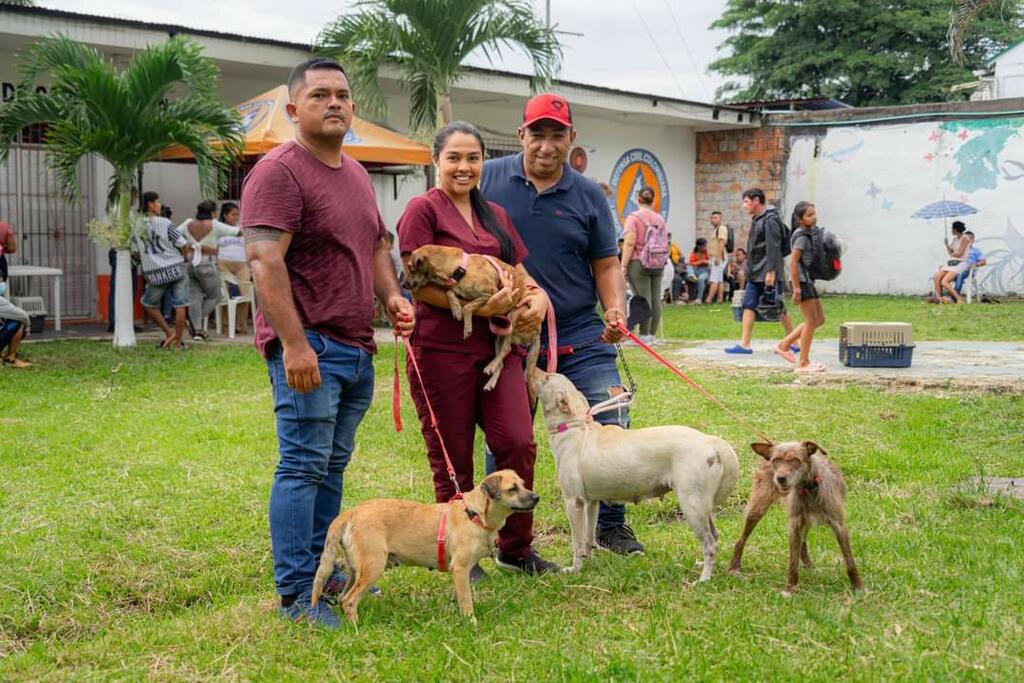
999	363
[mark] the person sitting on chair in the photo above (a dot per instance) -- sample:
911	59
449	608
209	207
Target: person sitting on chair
975	259
957	263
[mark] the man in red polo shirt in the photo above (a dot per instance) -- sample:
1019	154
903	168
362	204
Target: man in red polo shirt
316	246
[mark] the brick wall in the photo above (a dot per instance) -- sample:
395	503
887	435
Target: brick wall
729	162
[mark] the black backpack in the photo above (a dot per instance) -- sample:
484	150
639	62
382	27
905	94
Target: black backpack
826	255
784	230
730	241
787	239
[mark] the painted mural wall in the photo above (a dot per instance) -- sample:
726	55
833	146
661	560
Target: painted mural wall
868	181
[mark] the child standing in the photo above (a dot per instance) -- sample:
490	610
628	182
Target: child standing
803	222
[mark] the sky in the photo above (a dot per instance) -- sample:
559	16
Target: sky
660	47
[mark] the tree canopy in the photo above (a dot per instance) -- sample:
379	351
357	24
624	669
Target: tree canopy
863	52
428	40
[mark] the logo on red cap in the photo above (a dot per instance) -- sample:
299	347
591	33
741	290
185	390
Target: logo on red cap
547	106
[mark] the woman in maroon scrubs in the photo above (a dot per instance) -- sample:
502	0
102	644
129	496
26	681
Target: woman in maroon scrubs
455	214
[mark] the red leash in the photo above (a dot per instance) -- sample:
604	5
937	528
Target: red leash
396	410
682	375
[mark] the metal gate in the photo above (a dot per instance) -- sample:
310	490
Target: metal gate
50	231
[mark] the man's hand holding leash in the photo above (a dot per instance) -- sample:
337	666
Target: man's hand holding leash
400	312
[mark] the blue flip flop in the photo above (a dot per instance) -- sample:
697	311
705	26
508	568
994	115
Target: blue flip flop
739	350
794	348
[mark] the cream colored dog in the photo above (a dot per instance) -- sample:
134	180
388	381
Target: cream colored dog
598	462
381	533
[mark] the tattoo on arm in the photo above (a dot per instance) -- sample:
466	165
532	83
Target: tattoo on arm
261	234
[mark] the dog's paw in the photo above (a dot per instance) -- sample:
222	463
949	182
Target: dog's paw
787	593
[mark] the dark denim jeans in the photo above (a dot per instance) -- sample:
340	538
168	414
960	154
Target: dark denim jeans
316	435
594	373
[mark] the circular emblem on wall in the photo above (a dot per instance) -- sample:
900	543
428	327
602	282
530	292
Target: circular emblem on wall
634	169
578	159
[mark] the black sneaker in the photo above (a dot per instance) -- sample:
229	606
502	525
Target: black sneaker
621	540
532	563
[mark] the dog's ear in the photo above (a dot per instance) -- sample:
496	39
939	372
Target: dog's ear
491	486
762	449
810	448
563	403
415	261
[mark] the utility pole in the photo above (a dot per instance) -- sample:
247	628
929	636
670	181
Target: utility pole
547	13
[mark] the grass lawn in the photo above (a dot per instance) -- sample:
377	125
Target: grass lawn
991	322
134	542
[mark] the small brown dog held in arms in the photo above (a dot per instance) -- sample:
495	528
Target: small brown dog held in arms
481	278
813	492
382	533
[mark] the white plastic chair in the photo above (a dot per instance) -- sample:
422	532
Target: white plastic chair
230	303
971	285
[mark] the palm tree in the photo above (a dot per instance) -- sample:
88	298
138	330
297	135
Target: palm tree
428	40
166	95
961	16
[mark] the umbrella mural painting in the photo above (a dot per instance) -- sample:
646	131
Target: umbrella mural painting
944	209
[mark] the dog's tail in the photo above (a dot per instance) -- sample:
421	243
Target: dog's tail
730	470
332	545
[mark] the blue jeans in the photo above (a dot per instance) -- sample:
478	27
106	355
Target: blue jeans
315	435
702	273
593	371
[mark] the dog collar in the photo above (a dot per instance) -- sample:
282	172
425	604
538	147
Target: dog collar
459	272
566	426
475	517
810	487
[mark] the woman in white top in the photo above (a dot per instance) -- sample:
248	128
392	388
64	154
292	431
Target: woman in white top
957	263
202	233
234	268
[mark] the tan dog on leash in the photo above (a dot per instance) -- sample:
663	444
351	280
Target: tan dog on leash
380	533
469	280
813	492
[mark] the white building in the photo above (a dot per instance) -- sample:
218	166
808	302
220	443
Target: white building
659	131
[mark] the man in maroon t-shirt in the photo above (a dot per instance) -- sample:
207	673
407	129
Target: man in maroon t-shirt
315	243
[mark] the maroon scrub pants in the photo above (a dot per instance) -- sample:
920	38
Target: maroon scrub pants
454	381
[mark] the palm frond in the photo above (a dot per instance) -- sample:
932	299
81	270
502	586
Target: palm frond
422	102
430	40
511	24
363	43
166	95
56	54
29	109
961	16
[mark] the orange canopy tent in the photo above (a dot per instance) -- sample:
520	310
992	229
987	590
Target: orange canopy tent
267	125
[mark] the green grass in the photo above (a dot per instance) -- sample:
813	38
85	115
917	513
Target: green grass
988	322
134	543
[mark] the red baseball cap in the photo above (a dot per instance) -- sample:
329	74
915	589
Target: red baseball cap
547	106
